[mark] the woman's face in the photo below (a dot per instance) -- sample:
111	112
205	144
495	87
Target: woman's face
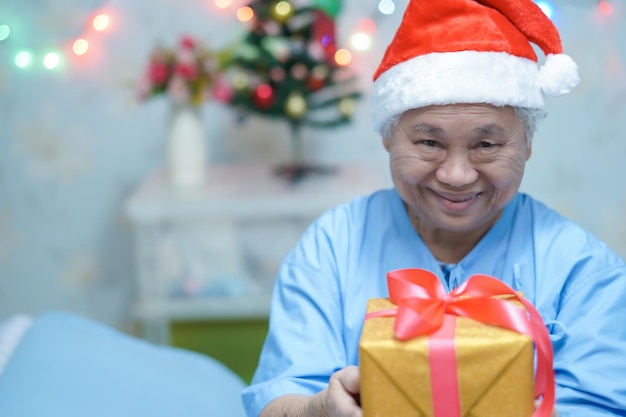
457	166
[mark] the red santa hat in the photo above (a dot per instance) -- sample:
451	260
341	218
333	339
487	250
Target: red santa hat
468	51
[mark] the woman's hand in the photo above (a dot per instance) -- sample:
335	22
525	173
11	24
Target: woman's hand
342	395
339	399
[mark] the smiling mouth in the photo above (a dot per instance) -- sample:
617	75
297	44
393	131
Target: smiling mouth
459	199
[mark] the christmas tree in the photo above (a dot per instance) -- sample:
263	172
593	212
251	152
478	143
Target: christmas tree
285	67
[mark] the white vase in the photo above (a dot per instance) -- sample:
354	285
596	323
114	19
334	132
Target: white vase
186	147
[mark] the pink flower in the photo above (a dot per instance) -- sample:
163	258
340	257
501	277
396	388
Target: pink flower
187	42
186	71
158	73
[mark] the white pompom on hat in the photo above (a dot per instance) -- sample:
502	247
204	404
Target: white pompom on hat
471	51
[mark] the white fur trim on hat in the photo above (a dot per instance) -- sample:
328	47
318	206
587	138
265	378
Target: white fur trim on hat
496	78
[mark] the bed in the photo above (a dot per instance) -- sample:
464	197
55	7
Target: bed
61	364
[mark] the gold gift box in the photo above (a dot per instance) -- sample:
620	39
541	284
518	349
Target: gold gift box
495	370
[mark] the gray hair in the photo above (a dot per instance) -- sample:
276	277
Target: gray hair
526	115
529	117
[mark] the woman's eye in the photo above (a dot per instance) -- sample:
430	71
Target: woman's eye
429	143
485	144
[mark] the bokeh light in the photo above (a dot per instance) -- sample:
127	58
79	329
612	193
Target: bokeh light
343	57
605	7
51	60
23	59
245	14
80	46
283	8
240	81
367	26
223	4
327	40
101	22
361	41
264	91
5	30
386	6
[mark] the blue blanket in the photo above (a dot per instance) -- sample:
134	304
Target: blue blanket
68	366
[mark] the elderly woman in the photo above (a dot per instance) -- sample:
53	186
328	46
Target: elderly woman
456	99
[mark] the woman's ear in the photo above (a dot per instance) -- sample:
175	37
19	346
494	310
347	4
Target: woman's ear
386	141
529	151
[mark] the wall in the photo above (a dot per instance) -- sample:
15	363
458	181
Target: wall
75	142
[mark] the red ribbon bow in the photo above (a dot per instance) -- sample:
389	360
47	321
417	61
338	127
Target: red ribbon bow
422	305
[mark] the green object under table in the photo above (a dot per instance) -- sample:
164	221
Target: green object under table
235	343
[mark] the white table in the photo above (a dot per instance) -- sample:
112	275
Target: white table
212	252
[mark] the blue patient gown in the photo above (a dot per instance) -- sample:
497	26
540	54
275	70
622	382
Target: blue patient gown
575	281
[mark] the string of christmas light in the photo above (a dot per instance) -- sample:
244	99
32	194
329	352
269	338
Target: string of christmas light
53	57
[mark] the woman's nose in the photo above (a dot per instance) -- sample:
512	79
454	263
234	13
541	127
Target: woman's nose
457	171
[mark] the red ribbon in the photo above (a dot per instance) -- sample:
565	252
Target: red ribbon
423	307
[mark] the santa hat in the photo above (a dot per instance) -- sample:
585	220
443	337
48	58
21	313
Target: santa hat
467	51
